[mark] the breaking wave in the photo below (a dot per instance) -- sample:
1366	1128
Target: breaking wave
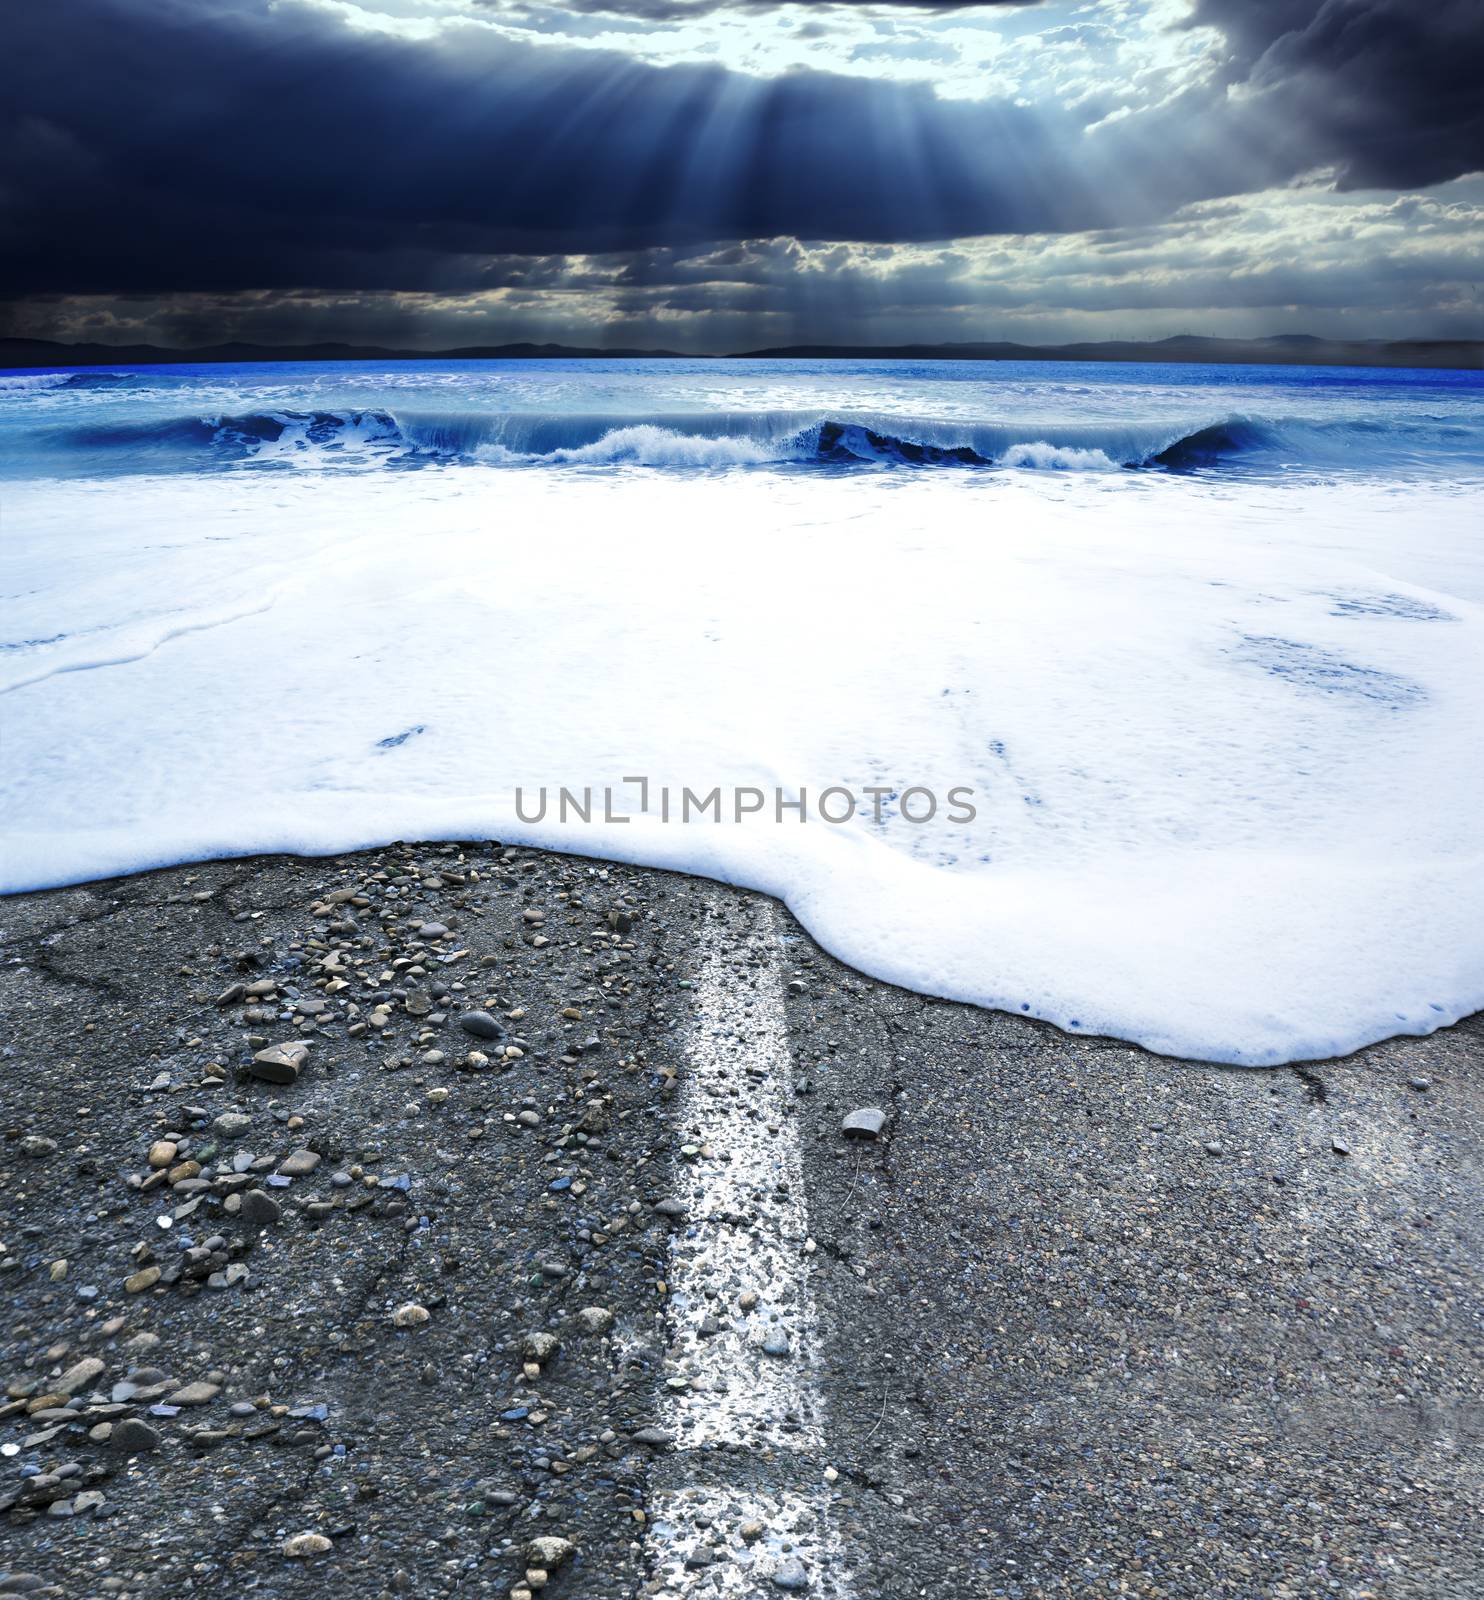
725	439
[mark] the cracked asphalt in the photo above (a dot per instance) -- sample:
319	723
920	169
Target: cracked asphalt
1091	1322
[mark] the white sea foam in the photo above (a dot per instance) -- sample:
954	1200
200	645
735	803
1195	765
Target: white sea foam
1226	737
647	445
1058	458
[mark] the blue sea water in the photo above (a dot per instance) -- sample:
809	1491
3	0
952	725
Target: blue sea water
1056	416
1205	645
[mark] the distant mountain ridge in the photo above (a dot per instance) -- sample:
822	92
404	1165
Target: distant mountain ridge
1287	349
54	353
1284	349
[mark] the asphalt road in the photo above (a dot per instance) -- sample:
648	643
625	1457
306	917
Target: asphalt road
598	1301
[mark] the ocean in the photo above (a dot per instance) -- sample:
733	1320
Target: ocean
1147	700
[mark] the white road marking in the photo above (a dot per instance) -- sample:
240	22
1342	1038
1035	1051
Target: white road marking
747	1368
746	1224
707	1542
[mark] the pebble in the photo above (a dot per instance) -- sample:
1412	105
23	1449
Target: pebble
299	1164
1421	1085
306	1544
540	1347
260	1209
280	1063
134	1437
549	1552
79	1376
481	1025
866	1122
595	1319
232	1125
411	1315
790	1574
195	1394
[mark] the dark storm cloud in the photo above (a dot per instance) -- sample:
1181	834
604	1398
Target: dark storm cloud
675	10
1388	90
166	146
198	143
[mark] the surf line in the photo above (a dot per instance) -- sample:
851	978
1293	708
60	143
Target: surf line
745	1499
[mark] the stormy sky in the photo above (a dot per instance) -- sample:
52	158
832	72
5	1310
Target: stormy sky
721	174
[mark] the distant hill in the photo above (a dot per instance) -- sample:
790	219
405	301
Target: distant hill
1288	349
53	353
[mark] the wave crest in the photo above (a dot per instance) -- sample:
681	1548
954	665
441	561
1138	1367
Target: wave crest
698	440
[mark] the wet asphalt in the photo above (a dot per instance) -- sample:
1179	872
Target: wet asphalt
1090	1322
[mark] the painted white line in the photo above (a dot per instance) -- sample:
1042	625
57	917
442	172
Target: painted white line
742	1324
743	1239
722	1543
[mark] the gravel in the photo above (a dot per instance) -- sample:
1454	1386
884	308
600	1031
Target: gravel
390	1315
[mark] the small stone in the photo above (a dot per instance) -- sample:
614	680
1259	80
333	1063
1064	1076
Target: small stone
549	1552
1339	1146
194	1394
540	1347
260	1209
232	1125
280	1063
674	1209
595	1319
303	1545
790	1574
134	1437
1214	1147
752	1531
144	1279
79	1376
1421	1085
38	1146
656	1438
161	1153
481	1025
866	1122
299	1164
776	1344
411	1315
